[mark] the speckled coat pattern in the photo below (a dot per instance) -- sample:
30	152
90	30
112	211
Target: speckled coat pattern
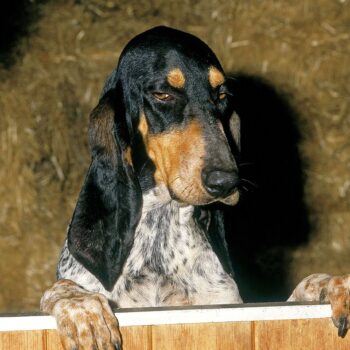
171	262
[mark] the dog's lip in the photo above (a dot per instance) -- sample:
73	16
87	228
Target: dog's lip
233	196
232	199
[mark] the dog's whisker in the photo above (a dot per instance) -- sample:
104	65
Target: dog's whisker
245	164
175	179
245	188
189	192
249	182
184	189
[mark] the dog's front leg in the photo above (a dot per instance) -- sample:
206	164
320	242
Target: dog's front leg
84	319
326	288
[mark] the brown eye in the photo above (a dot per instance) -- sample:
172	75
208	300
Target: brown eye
162	96
222	95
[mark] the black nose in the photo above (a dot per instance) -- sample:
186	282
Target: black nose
220	183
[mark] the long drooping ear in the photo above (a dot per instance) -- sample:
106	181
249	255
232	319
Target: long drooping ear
102	229
211	219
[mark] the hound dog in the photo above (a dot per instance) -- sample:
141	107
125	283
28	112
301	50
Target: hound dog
163	138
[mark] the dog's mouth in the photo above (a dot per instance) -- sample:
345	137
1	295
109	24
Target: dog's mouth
232	199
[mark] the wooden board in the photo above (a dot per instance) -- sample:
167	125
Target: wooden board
227	327
137	337
30	340
218	336
314	334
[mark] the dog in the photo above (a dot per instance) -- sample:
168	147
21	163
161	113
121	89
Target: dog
146	230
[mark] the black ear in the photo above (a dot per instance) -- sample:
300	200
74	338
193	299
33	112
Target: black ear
102	229
211	219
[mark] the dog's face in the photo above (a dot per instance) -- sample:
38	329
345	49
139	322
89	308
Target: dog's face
165	119
184	109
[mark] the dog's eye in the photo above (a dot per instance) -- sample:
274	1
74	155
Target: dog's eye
162	96
222	95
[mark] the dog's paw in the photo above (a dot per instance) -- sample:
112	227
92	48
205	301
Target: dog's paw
325	288
84	320
338	293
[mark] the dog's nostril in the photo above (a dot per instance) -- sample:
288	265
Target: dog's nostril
220	183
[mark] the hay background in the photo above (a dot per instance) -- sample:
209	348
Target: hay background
301	48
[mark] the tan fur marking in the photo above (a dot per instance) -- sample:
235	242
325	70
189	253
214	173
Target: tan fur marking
337	281
216	78
143	126
127	155
178	156
176	78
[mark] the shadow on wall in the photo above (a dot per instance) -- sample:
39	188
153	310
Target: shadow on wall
271	217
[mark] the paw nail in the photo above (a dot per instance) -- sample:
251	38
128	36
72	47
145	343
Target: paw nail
342	329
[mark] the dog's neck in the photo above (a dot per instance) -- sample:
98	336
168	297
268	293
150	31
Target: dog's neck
157	203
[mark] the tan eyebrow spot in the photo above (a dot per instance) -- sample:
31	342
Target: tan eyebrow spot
176	78
216	78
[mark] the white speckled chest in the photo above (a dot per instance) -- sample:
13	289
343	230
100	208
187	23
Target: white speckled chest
170	263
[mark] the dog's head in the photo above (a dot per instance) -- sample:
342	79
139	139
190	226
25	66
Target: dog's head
165	119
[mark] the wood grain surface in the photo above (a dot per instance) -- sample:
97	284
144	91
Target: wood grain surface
308	334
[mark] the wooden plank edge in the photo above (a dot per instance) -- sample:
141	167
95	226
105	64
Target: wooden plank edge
184	315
